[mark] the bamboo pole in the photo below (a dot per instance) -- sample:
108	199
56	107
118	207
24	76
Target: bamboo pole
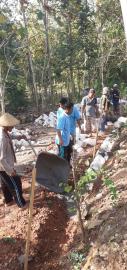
77	199
94	149
30	219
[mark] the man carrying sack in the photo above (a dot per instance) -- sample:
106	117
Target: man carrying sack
10	182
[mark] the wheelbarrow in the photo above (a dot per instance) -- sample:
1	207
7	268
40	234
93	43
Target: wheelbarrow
52	173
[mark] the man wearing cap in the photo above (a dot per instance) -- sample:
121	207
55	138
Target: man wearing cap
89	111
104	109
10	181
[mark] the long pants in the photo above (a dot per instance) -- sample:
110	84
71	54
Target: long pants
116	108
103	123
12	189
66	151
89	123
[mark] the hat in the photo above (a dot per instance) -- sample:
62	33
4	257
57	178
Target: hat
105	90
115	85
8	120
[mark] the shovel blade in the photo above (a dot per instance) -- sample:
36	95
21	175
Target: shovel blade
52	172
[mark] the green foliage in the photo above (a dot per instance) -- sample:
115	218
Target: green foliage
15	97
80	41
40	15
89	176
76	259
68	188
9	239
112	189
72	210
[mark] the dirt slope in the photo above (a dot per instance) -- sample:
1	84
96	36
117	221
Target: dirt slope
55	236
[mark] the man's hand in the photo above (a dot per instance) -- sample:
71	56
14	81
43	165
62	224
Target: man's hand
60	141
20	137
82	131
13	173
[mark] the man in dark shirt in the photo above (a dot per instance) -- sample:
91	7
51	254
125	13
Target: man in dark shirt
115	99
89	111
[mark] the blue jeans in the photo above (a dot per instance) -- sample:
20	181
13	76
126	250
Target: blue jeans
103	123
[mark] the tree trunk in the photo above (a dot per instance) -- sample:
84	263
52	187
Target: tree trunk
102	61
47	49
72	84
124	13
30	61
2	93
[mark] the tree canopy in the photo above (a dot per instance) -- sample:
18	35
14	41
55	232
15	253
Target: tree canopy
50	48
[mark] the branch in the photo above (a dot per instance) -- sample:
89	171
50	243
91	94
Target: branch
5	42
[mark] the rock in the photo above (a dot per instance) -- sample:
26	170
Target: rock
21	259
122	152
23	148
94	223
89	186
84	210
99	196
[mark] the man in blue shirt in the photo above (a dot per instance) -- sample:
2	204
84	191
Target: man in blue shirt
62	102
63	132
74	117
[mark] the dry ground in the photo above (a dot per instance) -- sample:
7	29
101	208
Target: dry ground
55	235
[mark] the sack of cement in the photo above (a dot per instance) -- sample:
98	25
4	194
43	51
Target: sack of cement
52	119
89	141
107	144
120	122
39	120
98	162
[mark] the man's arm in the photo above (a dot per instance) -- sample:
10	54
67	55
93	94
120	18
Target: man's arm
96	108
60	127
83	110
3	159
79	124
58	131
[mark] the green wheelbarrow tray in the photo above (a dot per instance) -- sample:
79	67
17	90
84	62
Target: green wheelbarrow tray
52	172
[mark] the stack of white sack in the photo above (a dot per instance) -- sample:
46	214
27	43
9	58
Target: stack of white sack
98	162
17	132
120	122
39	120
52	119
102	154
123	101
82	141
21	144
46	120
107	144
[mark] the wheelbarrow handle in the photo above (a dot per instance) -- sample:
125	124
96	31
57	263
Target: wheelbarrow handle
32	147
